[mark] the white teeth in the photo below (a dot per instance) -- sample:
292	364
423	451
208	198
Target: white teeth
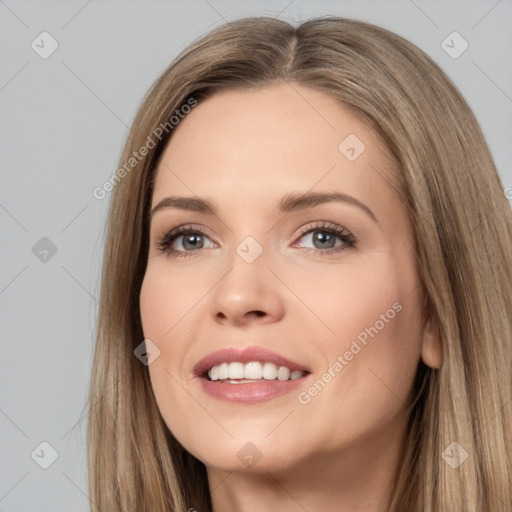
236	371
223	371
269	371
283	373
214	373
253	370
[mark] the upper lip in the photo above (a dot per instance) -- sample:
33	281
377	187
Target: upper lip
244	355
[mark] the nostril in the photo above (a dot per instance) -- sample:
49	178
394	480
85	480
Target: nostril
239	320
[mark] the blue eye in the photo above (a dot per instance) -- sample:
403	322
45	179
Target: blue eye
192	239
326	238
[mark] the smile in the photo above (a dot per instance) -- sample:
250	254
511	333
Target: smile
249	375
237	372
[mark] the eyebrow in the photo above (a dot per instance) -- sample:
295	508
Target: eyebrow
288	203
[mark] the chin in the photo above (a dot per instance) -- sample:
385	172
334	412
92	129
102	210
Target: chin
245	454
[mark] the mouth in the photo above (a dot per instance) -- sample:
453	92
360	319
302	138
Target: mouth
253	374
237	372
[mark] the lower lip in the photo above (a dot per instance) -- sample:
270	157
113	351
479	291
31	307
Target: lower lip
250	392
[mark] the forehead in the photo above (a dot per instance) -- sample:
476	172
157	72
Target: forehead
251	146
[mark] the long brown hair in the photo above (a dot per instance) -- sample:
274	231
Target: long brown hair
463	237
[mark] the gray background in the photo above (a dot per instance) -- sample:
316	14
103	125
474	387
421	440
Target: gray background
63	123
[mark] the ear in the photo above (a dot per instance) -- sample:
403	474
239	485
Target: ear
431	349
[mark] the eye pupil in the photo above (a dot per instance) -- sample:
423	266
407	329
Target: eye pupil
195	240
324	237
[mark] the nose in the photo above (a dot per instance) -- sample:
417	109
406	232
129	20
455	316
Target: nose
249	293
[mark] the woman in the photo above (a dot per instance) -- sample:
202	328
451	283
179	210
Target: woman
306	289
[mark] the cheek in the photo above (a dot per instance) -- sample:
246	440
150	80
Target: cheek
166	298
375	346
171	301
162	305
374	298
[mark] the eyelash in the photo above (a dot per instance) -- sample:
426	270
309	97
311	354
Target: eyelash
164	241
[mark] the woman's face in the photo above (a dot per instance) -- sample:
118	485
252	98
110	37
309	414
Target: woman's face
300	271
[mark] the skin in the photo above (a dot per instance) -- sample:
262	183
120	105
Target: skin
243	151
